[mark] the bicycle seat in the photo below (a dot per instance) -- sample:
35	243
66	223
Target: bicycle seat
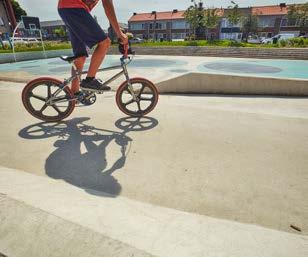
69	59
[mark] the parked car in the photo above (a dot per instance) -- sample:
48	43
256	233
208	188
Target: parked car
18	40
254	40
136	40
5	42
31	40
277	38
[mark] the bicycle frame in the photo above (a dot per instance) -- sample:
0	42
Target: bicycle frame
78	74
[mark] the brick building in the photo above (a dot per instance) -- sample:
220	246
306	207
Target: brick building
7	18
171	25
272	20
160	25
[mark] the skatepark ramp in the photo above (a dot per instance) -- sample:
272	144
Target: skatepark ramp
204	83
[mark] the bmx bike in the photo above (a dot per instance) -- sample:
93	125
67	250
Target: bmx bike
52	100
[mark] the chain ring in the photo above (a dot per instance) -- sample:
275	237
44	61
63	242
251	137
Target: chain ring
87	98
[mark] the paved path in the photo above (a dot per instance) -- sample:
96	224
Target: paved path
225	162
152	229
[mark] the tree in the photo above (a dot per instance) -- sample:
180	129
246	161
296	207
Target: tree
18	11
200	18
234	15
298	13
60	32
210	19
250	25
194	15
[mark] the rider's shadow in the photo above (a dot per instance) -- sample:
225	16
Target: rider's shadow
87	168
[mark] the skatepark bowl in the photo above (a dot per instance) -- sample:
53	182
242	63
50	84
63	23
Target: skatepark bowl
295	69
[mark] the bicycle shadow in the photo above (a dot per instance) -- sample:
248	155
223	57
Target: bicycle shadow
87	169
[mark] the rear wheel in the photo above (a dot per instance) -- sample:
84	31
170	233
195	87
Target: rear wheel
35	98
145	101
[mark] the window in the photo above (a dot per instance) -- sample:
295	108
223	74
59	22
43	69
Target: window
161	25
265	22
1	22
180	25
178	35
137	26
32	26
226	24
289	23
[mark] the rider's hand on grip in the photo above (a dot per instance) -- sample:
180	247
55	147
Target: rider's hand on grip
125	49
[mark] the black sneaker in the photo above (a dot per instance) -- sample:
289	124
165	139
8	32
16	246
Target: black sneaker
93	85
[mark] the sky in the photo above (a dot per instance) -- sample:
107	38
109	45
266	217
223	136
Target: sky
47	9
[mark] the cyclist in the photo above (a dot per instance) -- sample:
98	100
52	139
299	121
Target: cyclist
85	32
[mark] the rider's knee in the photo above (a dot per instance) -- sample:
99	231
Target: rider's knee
106	43
82	58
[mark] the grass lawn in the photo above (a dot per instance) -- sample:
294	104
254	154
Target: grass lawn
38	47
296	42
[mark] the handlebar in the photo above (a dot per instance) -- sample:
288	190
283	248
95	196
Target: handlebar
125	50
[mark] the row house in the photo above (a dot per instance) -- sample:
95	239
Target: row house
160	25
49	30
231	31
272	20
172	25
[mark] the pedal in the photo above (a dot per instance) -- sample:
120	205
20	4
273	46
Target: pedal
87	98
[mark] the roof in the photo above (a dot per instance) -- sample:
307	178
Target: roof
159	16
170	15
269	10
54	23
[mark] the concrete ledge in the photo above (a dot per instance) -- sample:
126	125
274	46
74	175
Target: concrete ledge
27	56
231	84
241	52
27	231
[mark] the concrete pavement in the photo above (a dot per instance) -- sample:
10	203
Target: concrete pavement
104	226
240	160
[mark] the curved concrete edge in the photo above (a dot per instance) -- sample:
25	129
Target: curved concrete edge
216	51
28	231
232	84
34	55
60	219
204	83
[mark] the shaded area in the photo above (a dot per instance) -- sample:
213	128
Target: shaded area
87	169
242	67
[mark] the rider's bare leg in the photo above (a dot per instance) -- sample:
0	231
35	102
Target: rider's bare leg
98	57
79	63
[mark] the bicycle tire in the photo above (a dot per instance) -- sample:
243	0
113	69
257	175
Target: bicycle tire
27	95
145	84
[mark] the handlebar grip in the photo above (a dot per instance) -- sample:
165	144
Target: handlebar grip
126	47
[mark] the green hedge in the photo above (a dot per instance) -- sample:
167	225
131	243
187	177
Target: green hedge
295	42
36	47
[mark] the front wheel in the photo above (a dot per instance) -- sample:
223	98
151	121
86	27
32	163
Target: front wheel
137	98
36	95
